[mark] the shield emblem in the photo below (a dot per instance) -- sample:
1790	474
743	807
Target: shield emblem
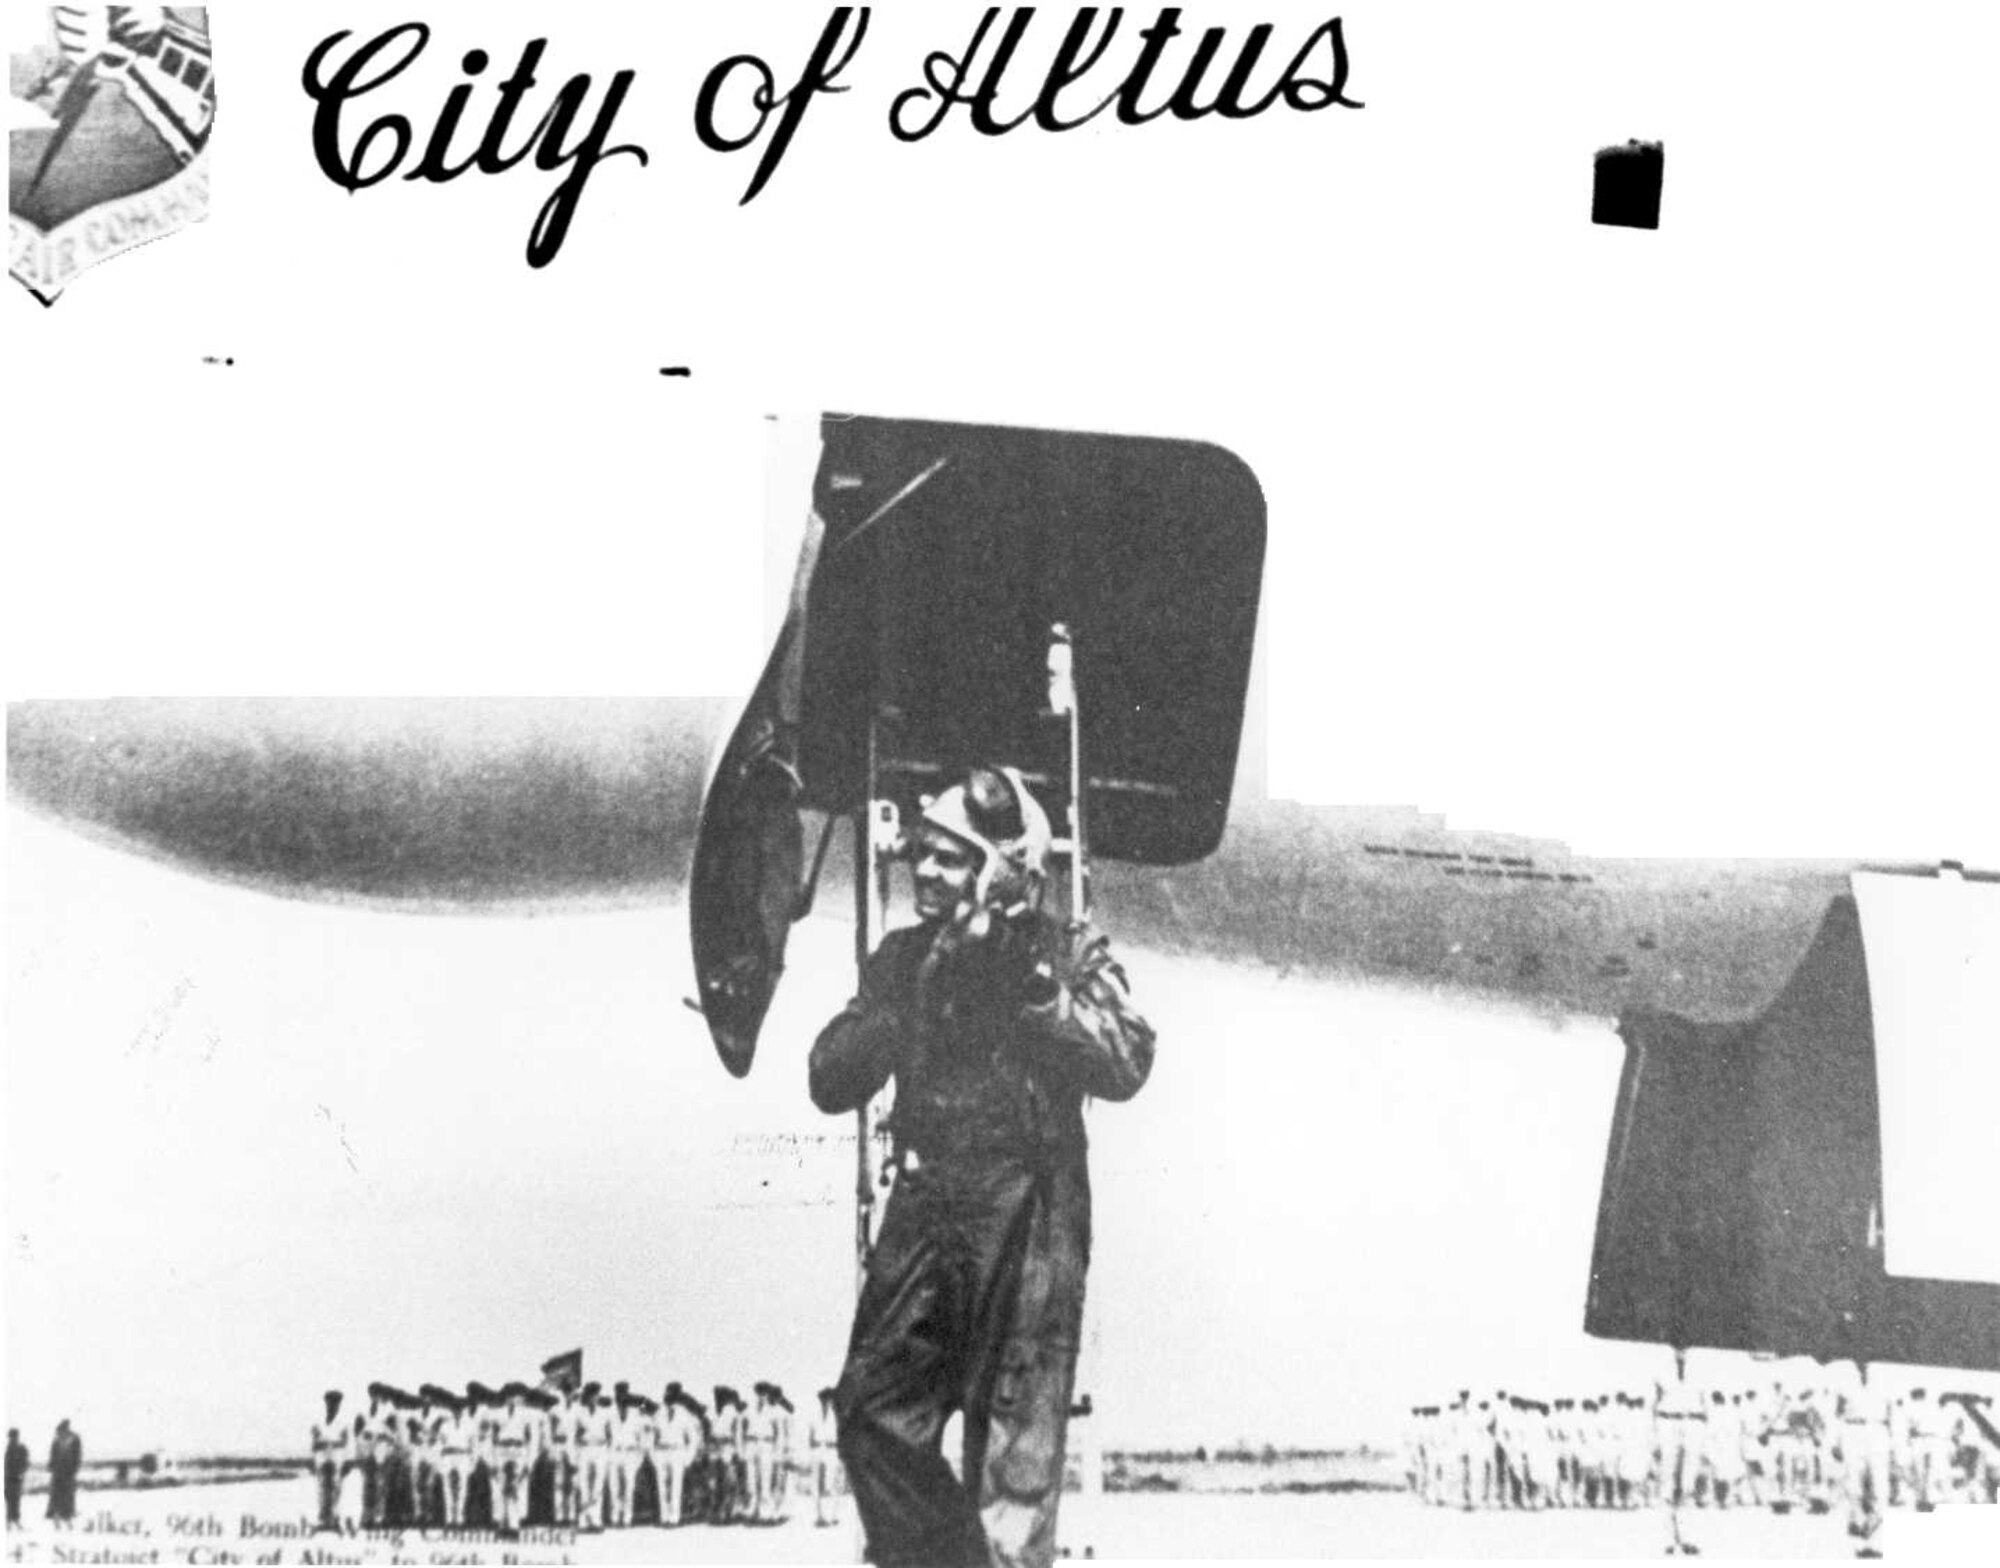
107	136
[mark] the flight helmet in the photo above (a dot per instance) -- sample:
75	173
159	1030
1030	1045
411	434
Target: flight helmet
995	813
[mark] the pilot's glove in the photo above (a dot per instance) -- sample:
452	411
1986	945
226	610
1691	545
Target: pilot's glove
1063	968
1076	1005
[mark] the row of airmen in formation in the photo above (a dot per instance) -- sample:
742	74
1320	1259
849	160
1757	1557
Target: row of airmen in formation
521	1457
1803	1447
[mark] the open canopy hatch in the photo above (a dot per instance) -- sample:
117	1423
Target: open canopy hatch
949	556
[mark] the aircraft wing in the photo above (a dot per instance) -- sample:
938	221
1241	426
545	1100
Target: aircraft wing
532	803
1762	1232
940	560
1736	1207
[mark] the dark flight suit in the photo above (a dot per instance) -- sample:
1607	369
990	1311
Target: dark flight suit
65	1463
17	1478
974	1294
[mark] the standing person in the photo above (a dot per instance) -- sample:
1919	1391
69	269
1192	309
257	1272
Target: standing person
1784	1445
393	1511
347	1511
782	1415
331	1450
698	1485
17	1475
1537	1453
1517	1493
1605	1438
1557	1429
482	1489
1586	1455
651	1444
742	1440
375	1440
1722	1457
730	1485
680	1440
759	1443
513	1454
593	1451
666	1429
1926	1473
1505	1480
442	1435
1465	1451
1487	1440
1864	1451
996	1021
627	1449
423	1458
456	1440
540	1506
65	1461
822	1440
1812	1420
1680	1423
1622	1451
562	1456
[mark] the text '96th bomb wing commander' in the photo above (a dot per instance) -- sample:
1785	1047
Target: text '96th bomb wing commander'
995	1020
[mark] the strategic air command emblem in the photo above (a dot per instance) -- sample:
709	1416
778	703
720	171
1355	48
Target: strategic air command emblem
107	134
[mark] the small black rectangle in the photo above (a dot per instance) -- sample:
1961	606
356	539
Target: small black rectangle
1626	190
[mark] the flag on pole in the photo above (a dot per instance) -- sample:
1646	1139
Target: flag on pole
564	1373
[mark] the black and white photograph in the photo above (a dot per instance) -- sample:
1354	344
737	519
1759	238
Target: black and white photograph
969	785
109	116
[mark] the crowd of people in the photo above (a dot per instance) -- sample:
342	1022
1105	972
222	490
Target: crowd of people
1681	1446
518	1458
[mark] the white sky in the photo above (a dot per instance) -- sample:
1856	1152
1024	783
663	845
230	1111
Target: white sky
1653	542
259	1147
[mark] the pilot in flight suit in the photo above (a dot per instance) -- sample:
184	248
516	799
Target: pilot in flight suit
995	1021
